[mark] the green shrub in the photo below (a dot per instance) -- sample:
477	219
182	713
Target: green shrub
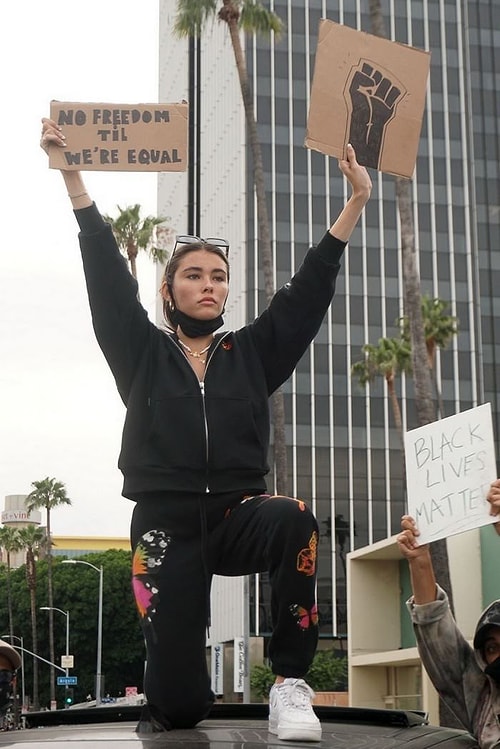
261	680
327	673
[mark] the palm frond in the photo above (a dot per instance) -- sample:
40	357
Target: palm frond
158	254
256	19
192	15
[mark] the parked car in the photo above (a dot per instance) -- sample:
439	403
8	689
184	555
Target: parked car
232	726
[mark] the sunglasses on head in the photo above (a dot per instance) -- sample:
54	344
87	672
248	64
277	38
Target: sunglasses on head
192	239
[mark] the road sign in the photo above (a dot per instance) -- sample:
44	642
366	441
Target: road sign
67	661
66	680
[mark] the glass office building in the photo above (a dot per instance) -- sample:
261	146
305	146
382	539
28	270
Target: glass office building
343	448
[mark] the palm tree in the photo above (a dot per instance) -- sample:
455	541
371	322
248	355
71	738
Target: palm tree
411	276
33	539
134	233
9	541
390	357
413	308
48	494
249	16
439	328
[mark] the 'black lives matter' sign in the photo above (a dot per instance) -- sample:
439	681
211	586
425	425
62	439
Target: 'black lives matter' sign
450	465
121	137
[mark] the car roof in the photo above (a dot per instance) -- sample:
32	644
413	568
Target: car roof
232	727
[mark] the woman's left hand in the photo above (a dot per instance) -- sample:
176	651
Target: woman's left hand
357	175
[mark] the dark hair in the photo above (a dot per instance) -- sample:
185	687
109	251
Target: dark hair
173	264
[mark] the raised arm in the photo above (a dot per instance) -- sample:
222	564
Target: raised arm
423	581
120	322
361	185
53	137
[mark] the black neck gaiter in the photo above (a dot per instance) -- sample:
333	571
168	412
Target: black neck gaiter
193	328
493	670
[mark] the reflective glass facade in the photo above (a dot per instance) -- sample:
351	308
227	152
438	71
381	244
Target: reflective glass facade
344	451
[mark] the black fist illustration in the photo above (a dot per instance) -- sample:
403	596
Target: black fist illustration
373	99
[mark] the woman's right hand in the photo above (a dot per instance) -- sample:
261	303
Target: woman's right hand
408	539
51	135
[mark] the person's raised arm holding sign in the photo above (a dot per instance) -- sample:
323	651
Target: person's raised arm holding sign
423	581
195	449
466	678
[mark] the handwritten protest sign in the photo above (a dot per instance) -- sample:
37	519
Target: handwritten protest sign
121	137
450	465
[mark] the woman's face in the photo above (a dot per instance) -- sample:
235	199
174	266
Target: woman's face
200	285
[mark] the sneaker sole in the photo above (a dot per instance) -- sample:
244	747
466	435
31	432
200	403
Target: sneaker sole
297	733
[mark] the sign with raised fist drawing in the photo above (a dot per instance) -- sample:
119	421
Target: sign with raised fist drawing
370	92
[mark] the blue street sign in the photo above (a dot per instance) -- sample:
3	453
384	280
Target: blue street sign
67	680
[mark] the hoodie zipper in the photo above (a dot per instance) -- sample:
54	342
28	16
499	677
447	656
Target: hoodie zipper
202	392
203	516
201	384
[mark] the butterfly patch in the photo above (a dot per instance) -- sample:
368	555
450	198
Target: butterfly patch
305	618
306	558
148	557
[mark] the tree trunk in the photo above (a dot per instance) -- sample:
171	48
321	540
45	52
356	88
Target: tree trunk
17	711
51	611
9	598
431	356
31	580
399	426
36	697
421	371
413	306
395	407
265	247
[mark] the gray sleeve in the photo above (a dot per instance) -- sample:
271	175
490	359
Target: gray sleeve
447	657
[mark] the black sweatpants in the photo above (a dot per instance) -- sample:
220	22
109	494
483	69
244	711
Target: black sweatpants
178	544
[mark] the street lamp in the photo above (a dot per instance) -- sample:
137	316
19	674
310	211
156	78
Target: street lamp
99	625
66	614
21	640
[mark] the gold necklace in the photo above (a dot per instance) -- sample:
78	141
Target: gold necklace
195	354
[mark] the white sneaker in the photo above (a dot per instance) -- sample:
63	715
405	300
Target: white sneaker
291	716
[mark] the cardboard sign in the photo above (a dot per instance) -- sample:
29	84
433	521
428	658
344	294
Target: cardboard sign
121	137
450	465
370	92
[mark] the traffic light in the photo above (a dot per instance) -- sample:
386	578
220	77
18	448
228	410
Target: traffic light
68	697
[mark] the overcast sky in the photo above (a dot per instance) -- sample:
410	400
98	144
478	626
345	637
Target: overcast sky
60	415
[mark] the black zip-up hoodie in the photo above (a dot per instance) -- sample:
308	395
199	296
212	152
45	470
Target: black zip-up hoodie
181	435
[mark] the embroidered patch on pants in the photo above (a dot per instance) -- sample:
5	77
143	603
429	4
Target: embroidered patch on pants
305	618
306	558
148	557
